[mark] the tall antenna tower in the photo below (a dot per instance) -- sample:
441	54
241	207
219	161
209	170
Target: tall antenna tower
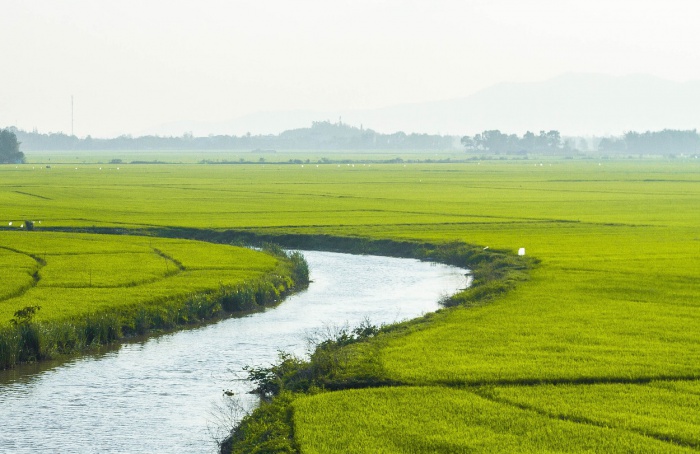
71	115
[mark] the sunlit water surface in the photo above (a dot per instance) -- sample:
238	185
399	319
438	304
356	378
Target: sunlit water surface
160	395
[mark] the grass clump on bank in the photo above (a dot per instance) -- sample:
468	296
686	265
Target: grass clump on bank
95	289
268	430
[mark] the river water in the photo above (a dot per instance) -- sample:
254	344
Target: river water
165	394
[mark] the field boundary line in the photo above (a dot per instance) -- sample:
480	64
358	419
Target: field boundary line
483	393
29	194
567	381
169	258
36	277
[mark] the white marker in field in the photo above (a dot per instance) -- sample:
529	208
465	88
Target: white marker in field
521	251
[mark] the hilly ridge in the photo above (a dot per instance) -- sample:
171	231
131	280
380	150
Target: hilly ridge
573	103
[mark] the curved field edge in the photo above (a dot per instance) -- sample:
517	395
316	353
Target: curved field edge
19	271
494	271
29	339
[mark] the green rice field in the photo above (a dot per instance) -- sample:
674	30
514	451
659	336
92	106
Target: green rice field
598	351
79	273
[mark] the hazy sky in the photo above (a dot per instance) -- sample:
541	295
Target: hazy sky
134	64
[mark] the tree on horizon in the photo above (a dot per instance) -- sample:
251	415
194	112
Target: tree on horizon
9	148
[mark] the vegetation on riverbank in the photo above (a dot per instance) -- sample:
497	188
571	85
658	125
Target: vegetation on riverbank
71	292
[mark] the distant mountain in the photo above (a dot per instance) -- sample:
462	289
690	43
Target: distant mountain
574	104
255	123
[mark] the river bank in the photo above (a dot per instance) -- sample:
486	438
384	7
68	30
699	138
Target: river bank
62	314
348	359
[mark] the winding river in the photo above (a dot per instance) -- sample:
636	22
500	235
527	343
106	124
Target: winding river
164	394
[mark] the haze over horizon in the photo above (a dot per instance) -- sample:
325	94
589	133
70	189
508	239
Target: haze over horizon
136	67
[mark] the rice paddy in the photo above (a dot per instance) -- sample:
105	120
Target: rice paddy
79	273
599	351
449	420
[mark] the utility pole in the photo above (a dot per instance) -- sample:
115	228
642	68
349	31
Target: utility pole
71	115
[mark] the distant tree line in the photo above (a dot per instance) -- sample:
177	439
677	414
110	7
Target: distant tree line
494	141
9	148
666	142
322	135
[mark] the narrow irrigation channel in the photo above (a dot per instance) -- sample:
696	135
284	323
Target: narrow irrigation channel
161	394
